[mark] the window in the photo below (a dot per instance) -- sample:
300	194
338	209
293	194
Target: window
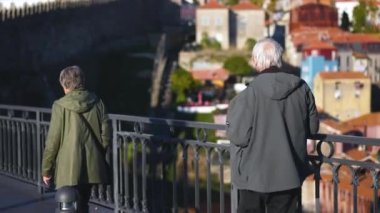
338	92
358	88
338	60
205	21
218	21
242	25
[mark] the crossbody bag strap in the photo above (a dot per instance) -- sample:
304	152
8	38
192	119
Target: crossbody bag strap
88	125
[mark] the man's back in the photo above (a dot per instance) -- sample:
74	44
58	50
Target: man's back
78	138
280	111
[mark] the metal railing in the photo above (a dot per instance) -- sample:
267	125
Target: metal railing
163	165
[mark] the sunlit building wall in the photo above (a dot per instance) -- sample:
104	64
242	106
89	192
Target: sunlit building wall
343	95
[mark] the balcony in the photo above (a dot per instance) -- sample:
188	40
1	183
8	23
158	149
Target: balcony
163	165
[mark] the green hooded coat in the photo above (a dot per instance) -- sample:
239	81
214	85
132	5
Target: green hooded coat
72	152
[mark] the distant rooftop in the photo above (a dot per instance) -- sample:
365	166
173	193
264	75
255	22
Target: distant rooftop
322	37
213	5
342	75
245	5
207	74
242	5
337	127
319	45
371	119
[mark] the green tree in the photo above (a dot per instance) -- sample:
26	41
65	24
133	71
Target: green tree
360	17
181	83
249	44
210	43
231	2
345	22
258	2
372	9
237	65
272	5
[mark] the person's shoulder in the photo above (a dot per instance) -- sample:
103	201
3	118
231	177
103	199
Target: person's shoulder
57	103
304	85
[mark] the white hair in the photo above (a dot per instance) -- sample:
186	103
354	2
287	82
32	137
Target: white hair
266	53
72	78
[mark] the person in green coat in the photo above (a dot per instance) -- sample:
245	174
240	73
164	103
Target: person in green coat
78	137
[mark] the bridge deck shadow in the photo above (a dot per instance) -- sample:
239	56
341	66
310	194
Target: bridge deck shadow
19	197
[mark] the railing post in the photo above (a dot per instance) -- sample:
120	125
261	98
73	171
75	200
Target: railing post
234	198
114	165
39	154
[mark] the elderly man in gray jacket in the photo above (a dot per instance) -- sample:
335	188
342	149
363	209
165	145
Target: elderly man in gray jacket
268	124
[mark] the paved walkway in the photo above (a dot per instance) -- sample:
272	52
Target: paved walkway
19	197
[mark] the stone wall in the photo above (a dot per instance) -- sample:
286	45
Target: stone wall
46	38
39	39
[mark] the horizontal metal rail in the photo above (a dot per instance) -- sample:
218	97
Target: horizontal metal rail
162	165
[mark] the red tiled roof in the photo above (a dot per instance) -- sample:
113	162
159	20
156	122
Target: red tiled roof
356	154
359	55
245	5
372	119
355	38
304	36
207	74
342	75
319	45
365	189
323	2
341	127
346	0
213	5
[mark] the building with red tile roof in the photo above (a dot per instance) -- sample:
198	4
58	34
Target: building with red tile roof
342	75
314	15
368	124
230	26
213	4
349	47
343	95
365	191
332	126
245	5
248	21
217	76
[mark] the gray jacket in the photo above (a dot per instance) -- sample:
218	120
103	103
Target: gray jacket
268	124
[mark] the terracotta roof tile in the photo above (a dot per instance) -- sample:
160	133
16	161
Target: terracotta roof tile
245	5
319	45
213	5
346	1
365	189
304	36
342	128
356	154
206	74
355	38
323	2
342	75
360	55
372	119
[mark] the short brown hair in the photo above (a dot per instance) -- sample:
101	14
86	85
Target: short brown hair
72	78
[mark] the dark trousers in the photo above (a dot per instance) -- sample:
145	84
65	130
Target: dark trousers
84	197
274	202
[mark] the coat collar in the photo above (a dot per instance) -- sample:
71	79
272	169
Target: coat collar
271	69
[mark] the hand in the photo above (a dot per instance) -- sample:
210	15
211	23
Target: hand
46	180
